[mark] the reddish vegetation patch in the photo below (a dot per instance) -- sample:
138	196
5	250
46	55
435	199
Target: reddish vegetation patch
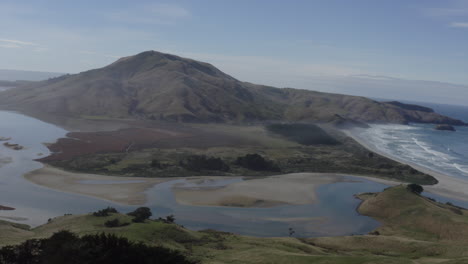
6	208
131	139
82	143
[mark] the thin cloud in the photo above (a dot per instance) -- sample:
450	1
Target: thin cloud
150	14
459	25
445	12
9	46
17	42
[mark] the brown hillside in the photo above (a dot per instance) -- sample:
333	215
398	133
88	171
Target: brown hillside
153	85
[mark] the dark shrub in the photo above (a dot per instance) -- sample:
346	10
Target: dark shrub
415	188
155	164
305	134
105	212
202	162
65	247
115	223
170	218
141	214
256	162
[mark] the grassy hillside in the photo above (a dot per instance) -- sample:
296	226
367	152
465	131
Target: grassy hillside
414	230
158	86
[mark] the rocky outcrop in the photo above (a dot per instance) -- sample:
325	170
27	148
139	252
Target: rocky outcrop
445	127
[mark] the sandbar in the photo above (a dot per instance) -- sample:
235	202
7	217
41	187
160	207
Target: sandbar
121	190
291	189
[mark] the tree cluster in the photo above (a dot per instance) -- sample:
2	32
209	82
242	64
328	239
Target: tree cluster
202	162
415	188
141	214
66	247
256	162
105	212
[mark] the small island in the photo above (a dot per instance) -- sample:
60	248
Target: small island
13	146
5	138
445	127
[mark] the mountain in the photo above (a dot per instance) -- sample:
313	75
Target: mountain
154	85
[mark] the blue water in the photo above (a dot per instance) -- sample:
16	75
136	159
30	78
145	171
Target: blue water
34	204
441	151
333	215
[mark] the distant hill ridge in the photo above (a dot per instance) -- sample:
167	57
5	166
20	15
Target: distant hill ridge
154	85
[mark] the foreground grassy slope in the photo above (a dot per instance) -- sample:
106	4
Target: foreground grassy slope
414	230
413	226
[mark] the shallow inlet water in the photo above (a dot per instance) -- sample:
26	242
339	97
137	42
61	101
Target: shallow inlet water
34	204
334	214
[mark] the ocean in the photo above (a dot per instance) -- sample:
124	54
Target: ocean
442	151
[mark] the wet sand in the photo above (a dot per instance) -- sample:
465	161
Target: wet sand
121	190
291	189
448	186
5	160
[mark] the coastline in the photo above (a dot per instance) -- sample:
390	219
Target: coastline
448	186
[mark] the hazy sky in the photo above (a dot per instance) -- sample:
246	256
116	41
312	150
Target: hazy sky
282	43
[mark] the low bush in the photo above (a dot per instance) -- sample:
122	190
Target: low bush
415	188
105	212
141	214
115	223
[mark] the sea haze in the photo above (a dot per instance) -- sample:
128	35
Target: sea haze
442	151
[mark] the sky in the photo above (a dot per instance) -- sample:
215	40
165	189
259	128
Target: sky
311	44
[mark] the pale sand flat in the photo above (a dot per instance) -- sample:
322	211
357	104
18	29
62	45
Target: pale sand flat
296	188
129	192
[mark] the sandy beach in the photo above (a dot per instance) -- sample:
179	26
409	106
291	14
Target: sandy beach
296	188
448	186
122	190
